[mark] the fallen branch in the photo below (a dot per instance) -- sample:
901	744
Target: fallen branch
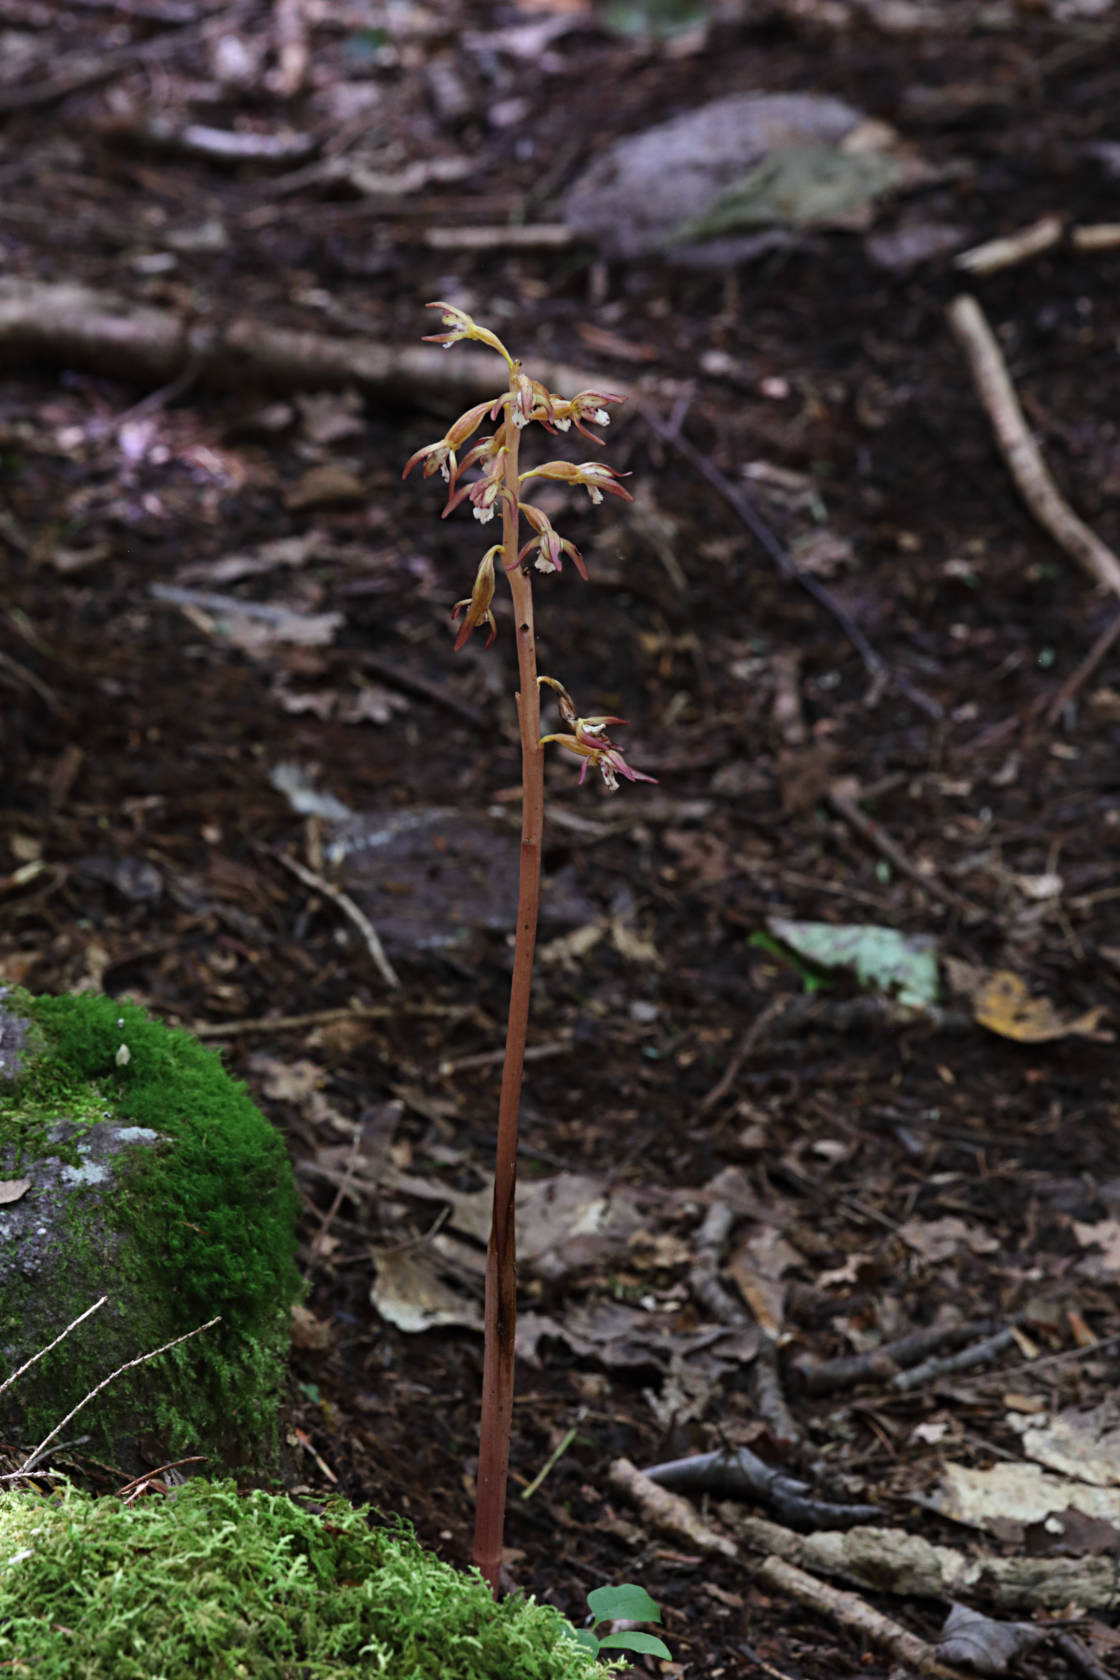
857	1616
668	1511
889	1560
879	1560
743	1475
73	324
1019	450
931	1370
882	1364
676	1517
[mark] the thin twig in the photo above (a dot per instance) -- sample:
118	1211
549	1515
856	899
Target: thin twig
327	1018
346	904
34	1457
488	1058
931	1370
741	1053
788	568
843	796
553	1458
1019	449
1028	1367
8	1381
411	682
1078	1657
1012	248
160	1470
1078	678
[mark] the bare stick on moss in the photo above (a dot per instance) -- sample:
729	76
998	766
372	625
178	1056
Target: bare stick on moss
34	1457
61	1337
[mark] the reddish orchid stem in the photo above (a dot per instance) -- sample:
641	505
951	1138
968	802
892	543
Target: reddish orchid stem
501	1260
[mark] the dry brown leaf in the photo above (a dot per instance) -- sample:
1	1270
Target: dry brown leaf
11	1189
321	486
1002	1004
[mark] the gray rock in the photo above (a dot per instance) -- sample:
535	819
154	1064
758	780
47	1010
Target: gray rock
431	878
642	194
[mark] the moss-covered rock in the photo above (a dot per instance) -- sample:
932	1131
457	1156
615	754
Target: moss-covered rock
154	1180
209	1582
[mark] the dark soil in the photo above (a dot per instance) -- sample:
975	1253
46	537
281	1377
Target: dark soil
140	825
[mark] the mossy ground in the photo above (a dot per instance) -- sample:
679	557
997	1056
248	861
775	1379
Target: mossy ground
210	1582
210	1220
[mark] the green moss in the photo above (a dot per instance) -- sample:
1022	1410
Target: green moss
228	1210
210	1222
210	1582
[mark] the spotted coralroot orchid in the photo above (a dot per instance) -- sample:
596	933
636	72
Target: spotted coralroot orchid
497	489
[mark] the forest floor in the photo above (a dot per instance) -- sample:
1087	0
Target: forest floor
733	1178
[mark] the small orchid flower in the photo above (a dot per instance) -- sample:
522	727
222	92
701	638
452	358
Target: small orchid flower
522	398
550	545
487	492
585	405
593	475
589	740
478	607
441	457
462	326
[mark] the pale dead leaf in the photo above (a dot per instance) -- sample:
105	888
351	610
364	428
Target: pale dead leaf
286	1081
563	1222
1079	1441
939	1239
310	1334
253	562
1019	1493
1002	1004
1105	1235
631	946
1039	887
409	1293
757	1269
372	704
11	1189
570	947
